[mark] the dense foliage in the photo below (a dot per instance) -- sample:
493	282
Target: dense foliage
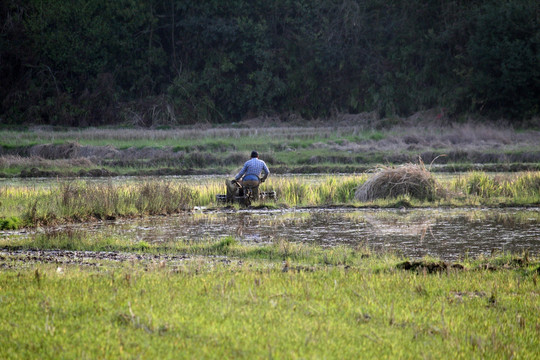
92	62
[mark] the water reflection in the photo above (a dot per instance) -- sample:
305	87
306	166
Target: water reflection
444	233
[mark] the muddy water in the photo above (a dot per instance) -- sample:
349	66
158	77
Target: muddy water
445	233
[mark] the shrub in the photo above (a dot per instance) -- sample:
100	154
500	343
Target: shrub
10	223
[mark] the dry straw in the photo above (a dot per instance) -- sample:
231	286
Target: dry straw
409	179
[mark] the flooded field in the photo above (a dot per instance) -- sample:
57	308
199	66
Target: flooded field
448	234
444	232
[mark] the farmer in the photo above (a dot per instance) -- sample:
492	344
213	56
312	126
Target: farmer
251	173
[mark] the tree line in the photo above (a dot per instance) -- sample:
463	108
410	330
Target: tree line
96	62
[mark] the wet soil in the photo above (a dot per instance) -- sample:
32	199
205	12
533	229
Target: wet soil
429	267
447	234
426	266
14	258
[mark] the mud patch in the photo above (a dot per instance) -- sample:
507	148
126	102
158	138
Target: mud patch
97	173
429	267
515	263
461	295
10	258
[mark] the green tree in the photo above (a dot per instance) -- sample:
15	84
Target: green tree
92	62
504	58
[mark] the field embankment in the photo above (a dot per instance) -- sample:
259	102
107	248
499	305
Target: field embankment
353	144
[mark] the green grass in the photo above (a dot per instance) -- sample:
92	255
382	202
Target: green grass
201	309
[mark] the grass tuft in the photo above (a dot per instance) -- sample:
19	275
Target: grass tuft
224	245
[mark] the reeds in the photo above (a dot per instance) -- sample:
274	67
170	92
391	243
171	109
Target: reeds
82	200
483	185
328	190
291	191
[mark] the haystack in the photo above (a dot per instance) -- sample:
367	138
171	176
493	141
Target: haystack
410	179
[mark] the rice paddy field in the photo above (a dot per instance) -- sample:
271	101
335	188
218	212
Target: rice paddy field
113	245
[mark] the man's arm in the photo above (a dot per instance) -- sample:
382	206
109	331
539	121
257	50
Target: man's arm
242	172
266	172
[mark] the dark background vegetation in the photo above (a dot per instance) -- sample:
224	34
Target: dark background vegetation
97	62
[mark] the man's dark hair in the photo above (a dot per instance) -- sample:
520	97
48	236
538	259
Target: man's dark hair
254	154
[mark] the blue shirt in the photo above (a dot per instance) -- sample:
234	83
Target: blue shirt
252	169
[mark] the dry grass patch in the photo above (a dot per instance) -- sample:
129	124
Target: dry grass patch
12	161
409	179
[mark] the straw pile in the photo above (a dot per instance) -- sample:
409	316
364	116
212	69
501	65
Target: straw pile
409	179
